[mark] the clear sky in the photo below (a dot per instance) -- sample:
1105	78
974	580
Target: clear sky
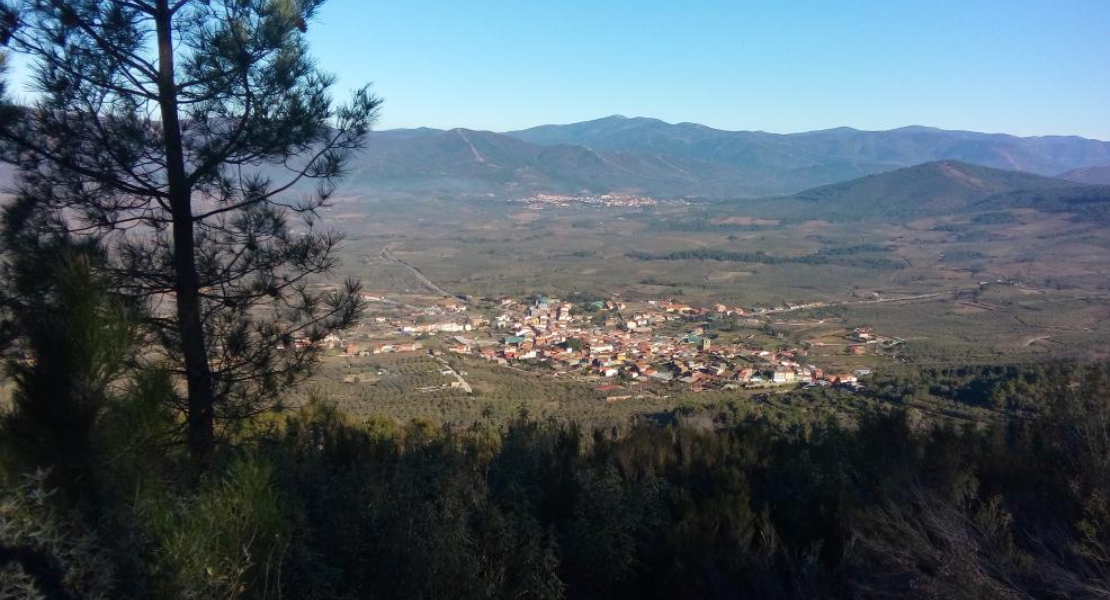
1027	67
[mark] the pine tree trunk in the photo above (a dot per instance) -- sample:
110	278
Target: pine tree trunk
201	405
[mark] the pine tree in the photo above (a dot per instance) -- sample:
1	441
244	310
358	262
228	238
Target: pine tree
77	342
186	135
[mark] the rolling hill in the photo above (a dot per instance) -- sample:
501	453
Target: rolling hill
1097	175
939	188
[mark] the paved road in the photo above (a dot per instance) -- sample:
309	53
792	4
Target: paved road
428	283
875	301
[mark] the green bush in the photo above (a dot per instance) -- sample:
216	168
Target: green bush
43	550
226	541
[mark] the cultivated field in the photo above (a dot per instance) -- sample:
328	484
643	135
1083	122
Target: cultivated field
961	290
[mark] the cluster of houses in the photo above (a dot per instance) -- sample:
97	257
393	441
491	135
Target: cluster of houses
539	201
659	341
612	341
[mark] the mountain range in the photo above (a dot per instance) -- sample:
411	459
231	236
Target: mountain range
652	157
462	161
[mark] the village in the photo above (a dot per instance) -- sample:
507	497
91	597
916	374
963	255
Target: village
612	342
541	201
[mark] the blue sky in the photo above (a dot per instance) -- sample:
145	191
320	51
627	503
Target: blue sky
1025	67
1015	66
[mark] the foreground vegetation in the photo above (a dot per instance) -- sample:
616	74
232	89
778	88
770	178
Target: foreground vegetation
101	499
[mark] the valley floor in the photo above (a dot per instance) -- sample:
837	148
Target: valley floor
962	290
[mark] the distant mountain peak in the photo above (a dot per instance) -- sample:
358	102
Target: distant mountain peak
918	129
407	133
944	163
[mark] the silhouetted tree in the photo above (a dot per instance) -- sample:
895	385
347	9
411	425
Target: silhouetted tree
77	341
184	134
